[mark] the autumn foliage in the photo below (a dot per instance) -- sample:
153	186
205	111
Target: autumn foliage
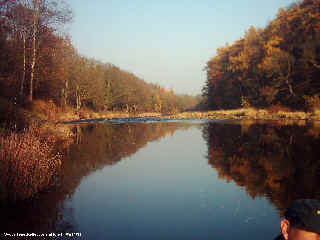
38	61
279	64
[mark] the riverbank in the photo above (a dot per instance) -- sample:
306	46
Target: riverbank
234	114
46	117
32	152
250	114
244	114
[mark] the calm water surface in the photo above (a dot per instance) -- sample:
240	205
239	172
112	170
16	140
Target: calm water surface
176	180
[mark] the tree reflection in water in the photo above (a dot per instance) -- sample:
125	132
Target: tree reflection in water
280	162
95	146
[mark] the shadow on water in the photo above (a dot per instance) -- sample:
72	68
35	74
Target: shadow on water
279	162
95	147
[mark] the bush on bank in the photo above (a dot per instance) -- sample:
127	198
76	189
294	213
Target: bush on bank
28	164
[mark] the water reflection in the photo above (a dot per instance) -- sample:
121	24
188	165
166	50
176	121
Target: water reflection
280	162
166	189
95	146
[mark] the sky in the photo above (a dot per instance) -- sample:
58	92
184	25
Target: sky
167	42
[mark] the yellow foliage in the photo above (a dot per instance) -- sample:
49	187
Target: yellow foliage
273	43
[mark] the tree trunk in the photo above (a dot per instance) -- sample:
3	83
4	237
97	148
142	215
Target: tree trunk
34	47
64	93
24	64
288	77
290	87
78	98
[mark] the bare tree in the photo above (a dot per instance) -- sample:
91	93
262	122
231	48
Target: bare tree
46	14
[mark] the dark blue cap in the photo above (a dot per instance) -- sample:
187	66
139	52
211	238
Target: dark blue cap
304	214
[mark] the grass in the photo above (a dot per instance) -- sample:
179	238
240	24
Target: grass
252	113
28	163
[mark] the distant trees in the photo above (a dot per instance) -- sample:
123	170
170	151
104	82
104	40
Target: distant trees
275	65
38	61
99	86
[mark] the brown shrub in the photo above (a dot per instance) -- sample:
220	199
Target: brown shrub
28	165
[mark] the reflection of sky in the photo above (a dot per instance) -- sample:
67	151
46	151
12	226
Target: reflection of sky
167	190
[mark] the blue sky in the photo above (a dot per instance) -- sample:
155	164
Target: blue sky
164	41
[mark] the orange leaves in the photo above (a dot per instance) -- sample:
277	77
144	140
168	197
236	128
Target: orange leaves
273	45
269	66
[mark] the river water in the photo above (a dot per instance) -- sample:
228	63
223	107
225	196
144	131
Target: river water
174	180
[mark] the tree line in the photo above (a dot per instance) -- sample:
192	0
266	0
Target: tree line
38	61
275	65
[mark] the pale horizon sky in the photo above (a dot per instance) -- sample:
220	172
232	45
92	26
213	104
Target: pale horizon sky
165	41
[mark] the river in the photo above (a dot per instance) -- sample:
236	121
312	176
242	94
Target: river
174	180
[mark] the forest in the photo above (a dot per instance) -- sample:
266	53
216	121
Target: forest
278	65
39	61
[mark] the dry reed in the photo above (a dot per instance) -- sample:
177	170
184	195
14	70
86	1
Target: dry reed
28	164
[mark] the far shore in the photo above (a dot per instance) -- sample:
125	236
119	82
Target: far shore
236	114
251	114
